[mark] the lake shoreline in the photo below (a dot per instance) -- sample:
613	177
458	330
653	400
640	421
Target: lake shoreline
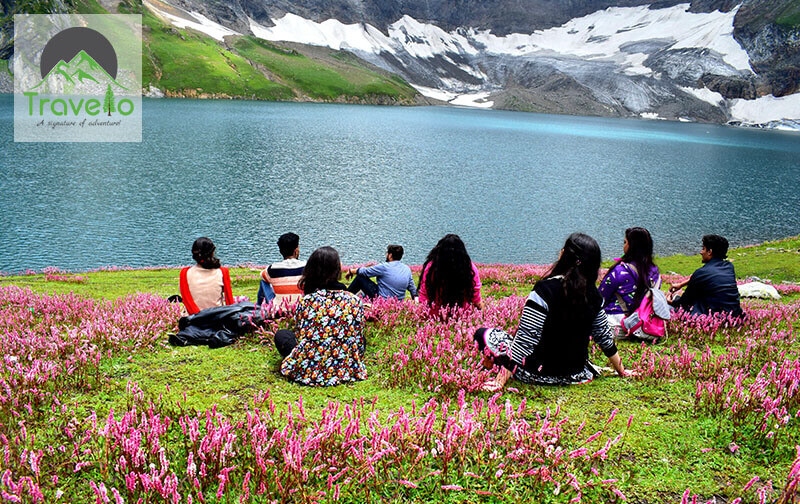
786	126
773	248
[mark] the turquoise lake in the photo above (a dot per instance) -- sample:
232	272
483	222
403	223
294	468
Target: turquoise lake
513	185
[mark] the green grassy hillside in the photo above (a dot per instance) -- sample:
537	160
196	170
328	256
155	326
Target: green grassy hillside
187	63
88	7
183	62
328	75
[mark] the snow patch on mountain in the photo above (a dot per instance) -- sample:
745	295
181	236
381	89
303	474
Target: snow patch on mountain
423	40
622	36
766	109
602	35
330	33
706	95
634	64
193	20
477	100
436	94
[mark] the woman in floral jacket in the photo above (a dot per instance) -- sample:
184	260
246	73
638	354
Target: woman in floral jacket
327	347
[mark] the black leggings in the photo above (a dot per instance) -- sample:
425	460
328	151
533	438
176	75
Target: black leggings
285	341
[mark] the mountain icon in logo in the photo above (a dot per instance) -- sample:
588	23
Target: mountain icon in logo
78	60
82	74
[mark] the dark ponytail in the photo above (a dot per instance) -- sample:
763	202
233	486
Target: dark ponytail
203	252
579	265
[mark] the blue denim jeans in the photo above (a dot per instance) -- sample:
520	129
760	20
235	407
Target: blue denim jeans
265	293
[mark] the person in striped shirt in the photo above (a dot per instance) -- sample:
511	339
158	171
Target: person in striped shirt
564	310
283	276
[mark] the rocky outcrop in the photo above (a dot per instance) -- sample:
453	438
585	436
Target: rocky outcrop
8	8
775	56
6	29
152	92
730	87
556	94
772	42
6	82
6	45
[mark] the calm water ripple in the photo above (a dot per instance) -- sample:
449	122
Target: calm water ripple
513	185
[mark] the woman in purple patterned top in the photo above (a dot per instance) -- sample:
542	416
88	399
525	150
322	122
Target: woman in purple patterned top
623	287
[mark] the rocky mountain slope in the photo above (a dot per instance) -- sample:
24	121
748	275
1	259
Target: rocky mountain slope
704	60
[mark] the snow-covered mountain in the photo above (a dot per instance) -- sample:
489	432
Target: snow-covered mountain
698	60
710	60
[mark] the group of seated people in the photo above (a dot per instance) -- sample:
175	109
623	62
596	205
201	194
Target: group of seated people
551	345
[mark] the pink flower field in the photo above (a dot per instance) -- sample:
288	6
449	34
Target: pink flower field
720	400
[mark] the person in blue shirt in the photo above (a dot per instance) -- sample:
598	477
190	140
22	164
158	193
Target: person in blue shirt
394	278
712	288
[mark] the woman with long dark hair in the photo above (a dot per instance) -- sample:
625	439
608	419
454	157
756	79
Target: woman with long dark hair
449	278
207	283
562	312
628	280
327	346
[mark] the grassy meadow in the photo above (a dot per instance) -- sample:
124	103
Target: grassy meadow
93	401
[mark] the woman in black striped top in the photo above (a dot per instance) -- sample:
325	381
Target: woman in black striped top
564	310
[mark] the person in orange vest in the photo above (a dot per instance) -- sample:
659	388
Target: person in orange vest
206	284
